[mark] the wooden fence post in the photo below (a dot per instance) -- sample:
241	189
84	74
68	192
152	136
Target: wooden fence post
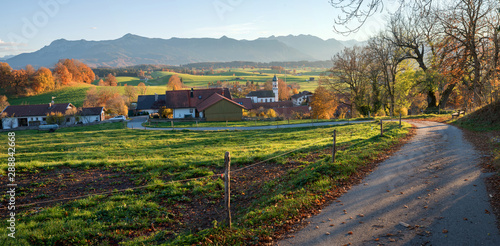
172	124
227	188
399	119
334	148
381	128
196	124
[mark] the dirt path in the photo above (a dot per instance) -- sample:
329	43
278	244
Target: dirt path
432	185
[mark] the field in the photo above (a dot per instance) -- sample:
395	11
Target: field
76	94
145	201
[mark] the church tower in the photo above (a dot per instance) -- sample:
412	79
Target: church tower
275	88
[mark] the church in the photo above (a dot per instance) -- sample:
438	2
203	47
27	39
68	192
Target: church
263	96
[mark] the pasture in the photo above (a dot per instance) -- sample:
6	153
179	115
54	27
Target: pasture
145	203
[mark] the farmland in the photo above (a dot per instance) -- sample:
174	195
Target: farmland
150	206
76	94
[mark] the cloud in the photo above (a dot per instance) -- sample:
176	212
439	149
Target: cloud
8	44
93	28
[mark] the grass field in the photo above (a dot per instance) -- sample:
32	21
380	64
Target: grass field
76	94
102	158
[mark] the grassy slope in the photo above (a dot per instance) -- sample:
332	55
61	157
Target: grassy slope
76	94
151	156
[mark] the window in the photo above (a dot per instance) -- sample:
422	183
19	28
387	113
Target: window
44	119
190	110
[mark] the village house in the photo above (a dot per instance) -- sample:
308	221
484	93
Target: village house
213	104
34	115
301	98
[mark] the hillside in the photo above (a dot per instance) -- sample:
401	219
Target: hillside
134	50
485	119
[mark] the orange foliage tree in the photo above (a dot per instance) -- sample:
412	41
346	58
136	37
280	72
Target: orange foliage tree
174	82
323	103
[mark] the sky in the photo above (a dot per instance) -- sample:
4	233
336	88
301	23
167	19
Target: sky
29	25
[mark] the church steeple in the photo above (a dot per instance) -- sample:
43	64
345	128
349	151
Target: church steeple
275	88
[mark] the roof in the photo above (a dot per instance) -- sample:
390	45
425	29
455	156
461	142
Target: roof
301	94
184	99
288	112
280	104
261	94
246	102
213	99
92	111
148	102
36	110
275	78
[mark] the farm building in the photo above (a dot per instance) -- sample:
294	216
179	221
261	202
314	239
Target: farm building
301	98
150	103
89	115
35	115
220	108
214	104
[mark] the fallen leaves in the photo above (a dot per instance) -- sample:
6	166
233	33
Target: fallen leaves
445	231
349	232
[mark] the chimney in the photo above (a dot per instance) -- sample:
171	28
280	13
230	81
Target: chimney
192	93
156	97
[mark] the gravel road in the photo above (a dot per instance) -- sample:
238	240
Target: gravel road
136	123
430	192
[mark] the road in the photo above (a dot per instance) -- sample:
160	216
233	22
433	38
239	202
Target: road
430	192
136	123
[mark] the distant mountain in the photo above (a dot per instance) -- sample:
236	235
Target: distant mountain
311	45
6	57
134	50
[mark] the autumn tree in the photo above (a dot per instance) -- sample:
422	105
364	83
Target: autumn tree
110	80
283	90
174	82
323	103
131	93
42	80
5	75
20	82
3	102
142	88
268	86
117	106
62	75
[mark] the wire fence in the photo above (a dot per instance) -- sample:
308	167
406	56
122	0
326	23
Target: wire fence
175	181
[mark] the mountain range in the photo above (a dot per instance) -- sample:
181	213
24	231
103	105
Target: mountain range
135	50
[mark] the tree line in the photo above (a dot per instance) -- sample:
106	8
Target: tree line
437	57
29	82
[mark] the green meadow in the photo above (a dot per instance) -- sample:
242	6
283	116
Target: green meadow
76	94
163	212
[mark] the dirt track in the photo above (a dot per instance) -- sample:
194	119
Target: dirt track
431	192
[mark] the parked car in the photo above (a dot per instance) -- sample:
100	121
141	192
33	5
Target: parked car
118	118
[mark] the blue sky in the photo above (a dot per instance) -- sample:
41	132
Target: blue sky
28	25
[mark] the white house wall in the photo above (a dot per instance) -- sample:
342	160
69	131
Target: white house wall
9	123
180	113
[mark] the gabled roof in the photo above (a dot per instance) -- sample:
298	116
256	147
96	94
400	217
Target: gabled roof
301	94
246	102
261	94
280	104
92	111
192	98
213	99
36	110
288	112
148	102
